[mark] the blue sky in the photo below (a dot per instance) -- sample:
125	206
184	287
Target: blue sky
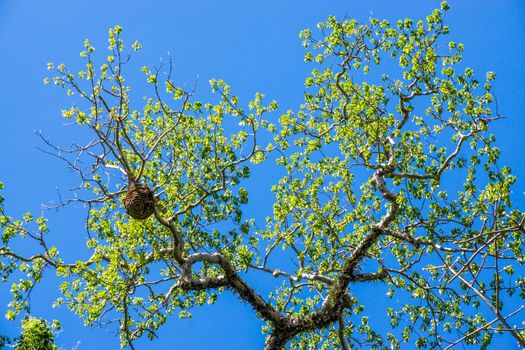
254	46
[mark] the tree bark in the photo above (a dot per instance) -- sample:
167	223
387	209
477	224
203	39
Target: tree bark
275	341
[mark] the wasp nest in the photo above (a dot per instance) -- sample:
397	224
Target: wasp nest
139	202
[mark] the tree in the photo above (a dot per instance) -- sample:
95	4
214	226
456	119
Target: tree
391	177
3	341
36	335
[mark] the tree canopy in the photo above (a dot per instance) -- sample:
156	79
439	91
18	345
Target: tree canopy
36	335
386	174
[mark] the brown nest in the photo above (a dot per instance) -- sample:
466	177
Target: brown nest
139	202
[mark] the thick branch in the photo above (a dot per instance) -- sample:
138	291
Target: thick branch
338	298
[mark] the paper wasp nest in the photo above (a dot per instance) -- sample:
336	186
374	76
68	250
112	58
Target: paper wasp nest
139	202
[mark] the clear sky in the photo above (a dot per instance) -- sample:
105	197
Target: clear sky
254	46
